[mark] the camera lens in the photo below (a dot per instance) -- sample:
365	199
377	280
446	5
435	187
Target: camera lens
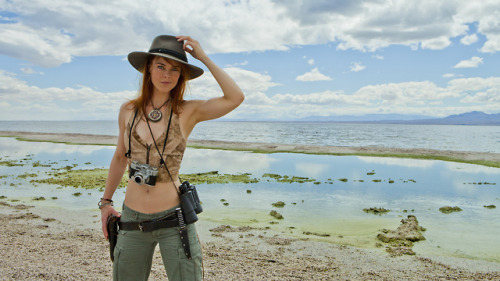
139	179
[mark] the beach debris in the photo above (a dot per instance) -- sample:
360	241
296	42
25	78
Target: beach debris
76	194
376	211
376	180
279	241
249	191
316	234
276	215
490	206
228	228
343	180
401	240
371	173
41	198
449	209
279	204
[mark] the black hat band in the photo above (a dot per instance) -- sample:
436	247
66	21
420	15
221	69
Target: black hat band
170	52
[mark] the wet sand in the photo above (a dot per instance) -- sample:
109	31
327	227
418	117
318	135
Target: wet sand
482	158
42	243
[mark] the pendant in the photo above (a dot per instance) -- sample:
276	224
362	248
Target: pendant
154	115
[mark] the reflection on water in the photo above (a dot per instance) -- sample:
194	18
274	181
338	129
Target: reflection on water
326	205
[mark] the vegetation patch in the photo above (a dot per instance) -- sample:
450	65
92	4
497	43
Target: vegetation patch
27	175
490	206
88	179
279	204
216	177
10	163
276	215
449	209
288	179
376	211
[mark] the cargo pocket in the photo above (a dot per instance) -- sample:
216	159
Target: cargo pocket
191	269
116	253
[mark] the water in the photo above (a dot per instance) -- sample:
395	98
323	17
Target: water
326	206
443	137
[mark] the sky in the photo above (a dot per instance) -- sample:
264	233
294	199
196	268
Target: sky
66	60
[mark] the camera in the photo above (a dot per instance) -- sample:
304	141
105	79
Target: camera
143	173
190	202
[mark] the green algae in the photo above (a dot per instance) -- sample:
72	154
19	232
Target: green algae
279	204
449	209
10	163
215	177
276	215
287	179
88	179
490	206
27	175
376	211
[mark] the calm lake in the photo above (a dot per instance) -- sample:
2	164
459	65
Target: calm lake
331	204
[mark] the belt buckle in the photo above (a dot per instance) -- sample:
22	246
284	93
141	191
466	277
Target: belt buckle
140	226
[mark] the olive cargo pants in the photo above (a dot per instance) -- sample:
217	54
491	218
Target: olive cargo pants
134	251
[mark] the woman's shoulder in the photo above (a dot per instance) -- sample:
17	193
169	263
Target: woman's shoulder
126	110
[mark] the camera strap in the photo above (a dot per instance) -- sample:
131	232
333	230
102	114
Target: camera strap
128	153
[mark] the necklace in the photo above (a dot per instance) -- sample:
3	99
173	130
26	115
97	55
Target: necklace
155	114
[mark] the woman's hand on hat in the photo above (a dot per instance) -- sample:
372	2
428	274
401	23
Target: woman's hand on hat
192	47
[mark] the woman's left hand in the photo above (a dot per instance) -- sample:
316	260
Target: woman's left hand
192	46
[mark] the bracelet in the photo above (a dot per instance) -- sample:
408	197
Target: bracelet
102	205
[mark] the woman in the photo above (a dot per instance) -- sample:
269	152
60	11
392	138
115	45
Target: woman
153	132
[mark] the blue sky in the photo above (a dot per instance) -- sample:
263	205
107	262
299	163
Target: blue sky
66	60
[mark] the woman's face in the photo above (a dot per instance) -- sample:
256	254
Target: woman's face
164	74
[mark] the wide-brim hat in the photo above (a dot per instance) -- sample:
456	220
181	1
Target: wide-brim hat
168	47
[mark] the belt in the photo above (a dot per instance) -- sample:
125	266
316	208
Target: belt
151	225
171	220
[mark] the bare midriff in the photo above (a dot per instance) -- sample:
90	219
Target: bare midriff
152	199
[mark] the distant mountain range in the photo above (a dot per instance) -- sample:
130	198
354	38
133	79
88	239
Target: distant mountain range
469	118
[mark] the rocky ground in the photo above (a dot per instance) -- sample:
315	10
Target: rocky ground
42	243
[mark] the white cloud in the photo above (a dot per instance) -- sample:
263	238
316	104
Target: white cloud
469	39
357	66
310	61
29	70
472	63
313	75
426	98
379	57
52	33
51	103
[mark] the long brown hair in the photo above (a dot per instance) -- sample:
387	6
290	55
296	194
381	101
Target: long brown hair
146	90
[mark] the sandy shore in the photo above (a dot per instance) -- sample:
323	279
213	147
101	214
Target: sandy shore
42	243
482	158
